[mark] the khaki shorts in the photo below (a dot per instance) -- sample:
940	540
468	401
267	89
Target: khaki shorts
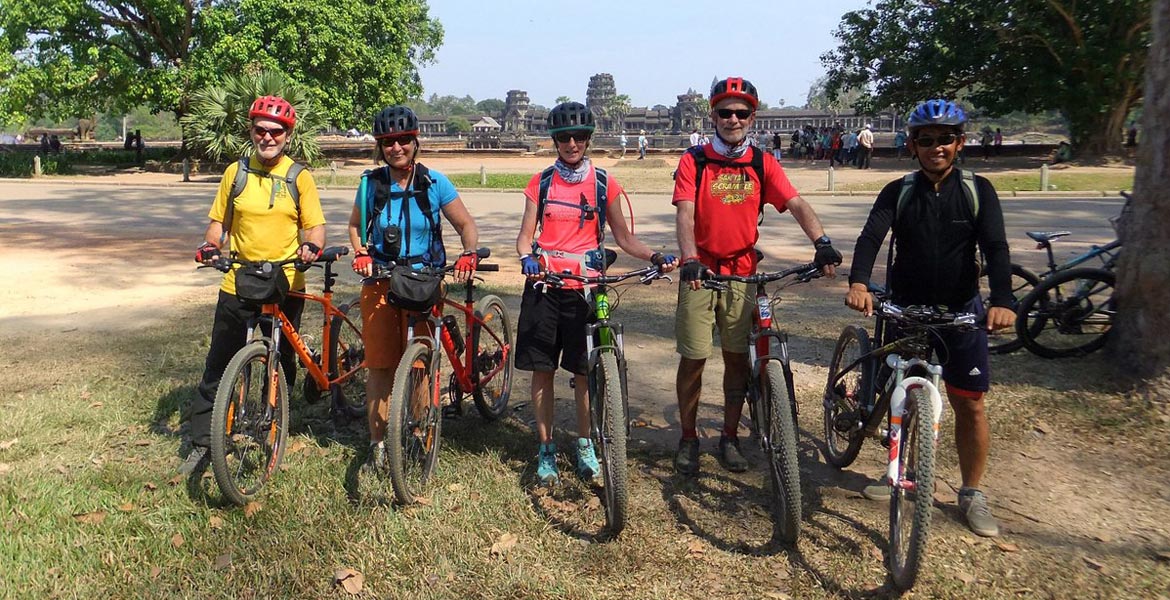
384	327
700	311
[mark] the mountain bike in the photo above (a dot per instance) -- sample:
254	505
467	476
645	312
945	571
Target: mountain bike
771	393
910	405
609	405
481	365
249	421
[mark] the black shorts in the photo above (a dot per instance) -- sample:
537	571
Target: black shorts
963	354
552	324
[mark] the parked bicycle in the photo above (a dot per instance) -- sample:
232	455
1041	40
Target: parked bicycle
909	403
249	421
481	365
771	394
609	406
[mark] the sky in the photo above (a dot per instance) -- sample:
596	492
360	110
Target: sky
655	49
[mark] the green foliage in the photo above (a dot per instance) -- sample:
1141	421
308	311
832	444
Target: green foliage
563	99
458	125
62	58
491	106
450	105
495	181
1084	59
20	164
217	125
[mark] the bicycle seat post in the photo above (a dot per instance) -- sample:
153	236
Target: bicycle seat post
330	277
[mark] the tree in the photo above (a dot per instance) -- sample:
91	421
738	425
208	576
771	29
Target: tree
217	124
563	99
458	124
1084	59
1143	275
819	97
492	106
617	109
451	105
77	56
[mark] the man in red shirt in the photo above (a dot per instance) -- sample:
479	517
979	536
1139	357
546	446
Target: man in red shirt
717	226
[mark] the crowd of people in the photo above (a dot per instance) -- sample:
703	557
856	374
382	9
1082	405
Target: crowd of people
723	188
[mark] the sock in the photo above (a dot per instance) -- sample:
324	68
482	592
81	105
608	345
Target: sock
690	433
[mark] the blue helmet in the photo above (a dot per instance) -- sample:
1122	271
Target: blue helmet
937	112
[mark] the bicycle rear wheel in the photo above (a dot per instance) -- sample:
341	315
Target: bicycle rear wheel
844	397
249	423
1006	340
492	363
1068	314
347	352
607	397
415	423
783	466
910	510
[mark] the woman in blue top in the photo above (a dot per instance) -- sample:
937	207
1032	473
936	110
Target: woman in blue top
396	217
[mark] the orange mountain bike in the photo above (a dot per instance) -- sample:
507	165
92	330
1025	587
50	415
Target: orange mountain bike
481	365
249	422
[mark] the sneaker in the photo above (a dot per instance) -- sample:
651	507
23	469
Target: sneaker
546	463
375	460
974	506
878	491
587	465
196	460
729	453
686	461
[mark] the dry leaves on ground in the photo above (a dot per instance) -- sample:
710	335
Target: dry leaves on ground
10	443
296	446
695	548
1007	547
5	468
504	543
177	540
350	580
251	508
223	561
214	522
127	507
91	518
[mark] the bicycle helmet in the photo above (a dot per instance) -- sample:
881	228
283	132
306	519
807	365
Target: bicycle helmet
937	112
395	120
735	87
275	108
569	116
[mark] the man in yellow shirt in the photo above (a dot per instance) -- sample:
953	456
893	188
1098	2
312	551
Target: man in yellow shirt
262	221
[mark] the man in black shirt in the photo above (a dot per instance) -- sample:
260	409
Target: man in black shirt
937	228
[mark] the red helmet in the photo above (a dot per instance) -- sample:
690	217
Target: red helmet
735	87
275	108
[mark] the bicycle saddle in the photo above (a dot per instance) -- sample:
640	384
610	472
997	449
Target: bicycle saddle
1047	236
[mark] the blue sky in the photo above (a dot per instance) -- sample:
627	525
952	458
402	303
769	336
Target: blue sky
551	48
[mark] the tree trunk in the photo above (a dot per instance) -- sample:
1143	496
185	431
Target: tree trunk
1140	338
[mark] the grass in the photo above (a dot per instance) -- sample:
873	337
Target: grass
1058	181
90	506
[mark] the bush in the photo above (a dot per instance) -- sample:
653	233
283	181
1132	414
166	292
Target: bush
20	164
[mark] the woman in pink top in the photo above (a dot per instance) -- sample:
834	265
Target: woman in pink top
563	230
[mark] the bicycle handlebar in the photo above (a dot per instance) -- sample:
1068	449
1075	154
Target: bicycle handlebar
383	271
928	316
646	275
328	255
804	273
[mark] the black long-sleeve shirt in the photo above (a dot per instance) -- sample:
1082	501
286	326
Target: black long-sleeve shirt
934	243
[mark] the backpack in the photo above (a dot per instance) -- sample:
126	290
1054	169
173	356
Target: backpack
382	194
966	178
600	195
241	181
756	164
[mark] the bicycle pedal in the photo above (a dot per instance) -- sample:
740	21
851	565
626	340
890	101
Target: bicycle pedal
453	411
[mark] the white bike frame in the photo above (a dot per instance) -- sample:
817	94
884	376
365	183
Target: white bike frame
902	386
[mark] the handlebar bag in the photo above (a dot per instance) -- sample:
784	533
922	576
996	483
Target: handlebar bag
413	290
261	283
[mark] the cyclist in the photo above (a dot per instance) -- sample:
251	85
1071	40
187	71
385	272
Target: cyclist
270	218
937	227
561	231
717	211
400	204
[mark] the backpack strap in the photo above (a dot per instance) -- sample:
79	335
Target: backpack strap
756	164
376	193
542	195
241	181
601	199
966	179
601	195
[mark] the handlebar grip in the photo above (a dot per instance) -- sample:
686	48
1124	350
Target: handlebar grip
333	253
487	267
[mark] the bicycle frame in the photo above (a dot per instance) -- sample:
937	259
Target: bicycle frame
760	345
609	336
1107	253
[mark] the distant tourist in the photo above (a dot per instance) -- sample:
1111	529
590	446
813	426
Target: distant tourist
695	137
899	144
1131	136
703	139
642	144
623	142
998	141
865	147
55	144
777	144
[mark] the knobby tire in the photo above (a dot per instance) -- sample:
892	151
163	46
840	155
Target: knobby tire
910	511
1068	314
783	465
613	441
491	397
844	399
414	427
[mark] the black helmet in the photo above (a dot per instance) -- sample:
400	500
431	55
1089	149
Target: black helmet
735	87
569	116
395	120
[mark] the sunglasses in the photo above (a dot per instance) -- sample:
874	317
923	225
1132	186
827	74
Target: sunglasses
401	140
930	141
275	132
740	113
577	136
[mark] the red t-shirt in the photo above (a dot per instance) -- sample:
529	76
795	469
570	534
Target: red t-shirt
727	209
561	228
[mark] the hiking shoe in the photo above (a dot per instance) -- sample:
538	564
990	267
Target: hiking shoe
196	459
686	461
587	465
376	460
730	455
878	491
974	506
546	463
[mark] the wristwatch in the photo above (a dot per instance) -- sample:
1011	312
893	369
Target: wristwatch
822	241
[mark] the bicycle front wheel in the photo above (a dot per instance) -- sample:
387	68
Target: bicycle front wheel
844	398
415	421
910	509
1068	314
346	353
607	390
249	423
492	363
1006	340
783	466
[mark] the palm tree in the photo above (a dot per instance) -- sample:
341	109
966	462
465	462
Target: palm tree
216	126
563	99
618	108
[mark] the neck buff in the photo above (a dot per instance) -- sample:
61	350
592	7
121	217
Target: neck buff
573	174
723	149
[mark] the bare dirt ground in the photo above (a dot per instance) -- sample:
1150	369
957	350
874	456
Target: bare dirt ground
1082	498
